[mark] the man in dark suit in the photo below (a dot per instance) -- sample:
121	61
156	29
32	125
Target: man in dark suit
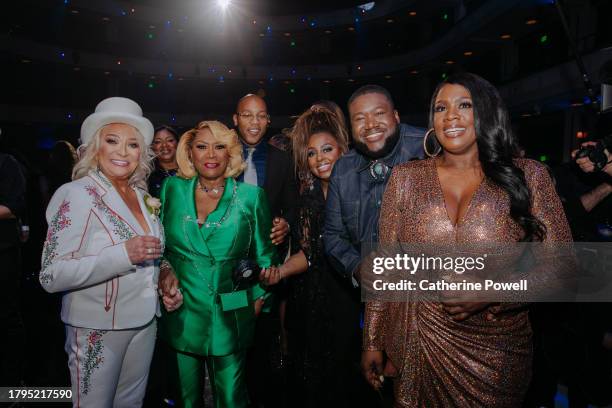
267	166
271	168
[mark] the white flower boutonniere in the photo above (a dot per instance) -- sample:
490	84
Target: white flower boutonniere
153	204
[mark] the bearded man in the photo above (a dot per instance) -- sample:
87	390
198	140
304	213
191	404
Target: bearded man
360	176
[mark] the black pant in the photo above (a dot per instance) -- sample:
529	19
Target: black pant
13	340
266	377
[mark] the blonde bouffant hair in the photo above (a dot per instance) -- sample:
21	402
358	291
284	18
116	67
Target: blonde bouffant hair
222	134
88	160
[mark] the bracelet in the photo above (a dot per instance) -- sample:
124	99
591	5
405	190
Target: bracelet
164	266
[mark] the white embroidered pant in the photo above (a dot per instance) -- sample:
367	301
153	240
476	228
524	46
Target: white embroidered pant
109	368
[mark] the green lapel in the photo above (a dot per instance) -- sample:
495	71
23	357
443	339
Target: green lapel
192	229
223	207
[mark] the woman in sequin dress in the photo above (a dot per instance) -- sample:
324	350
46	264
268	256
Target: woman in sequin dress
475	190
317	299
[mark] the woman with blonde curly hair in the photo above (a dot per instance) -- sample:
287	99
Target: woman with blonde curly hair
101	252
213	225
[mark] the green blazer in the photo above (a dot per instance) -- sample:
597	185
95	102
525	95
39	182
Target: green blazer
204	259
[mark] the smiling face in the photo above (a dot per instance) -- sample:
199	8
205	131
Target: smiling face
210	156
373	121
164	146
119	152
251	119
453	119
322	153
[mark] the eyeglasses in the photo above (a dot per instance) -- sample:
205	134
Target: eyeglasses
248	116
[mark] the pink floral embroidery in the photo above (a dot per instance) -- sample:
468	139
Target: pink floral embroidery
93	358
59	222
119	227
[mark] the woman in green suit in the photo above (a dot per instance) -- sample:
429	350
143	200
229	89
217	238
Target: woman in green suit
211	223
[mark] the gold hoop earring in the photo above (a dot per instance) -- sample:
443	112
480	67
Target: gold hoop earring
438	150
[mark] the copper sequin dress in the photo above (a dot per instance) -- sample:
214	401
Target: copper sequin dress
443	363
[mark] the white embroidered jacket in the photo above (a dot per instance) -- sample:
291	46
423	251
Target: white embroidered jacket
85	257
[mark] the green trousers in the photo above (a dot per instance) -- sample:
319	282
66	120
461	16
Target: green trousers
227	378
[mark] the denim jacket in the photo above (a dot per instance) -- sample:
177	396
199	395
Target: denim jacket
354	198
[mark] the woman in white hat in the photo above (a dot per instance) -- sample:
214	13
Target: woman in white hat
101	250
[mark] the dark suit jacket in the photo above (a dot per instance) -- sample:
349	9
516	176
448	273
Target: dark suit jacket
280	184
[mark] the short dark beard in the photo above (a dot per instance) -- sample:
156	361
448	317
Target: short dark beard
389	145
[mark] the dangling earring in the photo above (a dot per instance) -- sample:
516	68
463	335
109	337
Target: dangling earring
437	144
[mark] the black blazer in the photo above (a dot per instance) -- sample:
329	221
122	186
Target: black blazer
280	184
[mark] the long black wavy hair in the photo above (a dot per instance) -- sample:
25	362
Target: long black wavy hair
497	149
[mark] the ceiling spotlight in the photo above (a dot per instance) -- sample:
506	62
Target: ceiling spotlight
450	62
505	36
414	72
531	21
223	4
468	53
367	6
412	13
351	28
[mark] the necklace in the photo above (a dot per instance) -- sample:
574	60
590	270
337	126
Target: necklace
168	173
214	190
378	170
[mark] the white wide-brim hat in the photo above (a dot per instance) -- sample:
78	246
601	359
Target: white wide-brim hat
116	110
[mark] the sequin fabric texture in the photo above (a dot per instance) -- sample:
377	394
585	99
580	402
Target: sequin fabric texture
442	362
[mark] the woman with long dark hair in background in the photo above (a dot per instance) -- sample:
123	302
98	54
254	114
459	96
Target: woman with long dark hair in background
473	190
